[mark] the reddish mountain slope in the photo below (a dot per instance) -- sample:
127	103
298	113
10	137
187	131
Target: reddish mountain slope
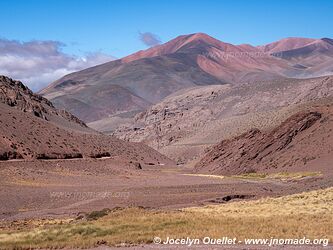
286	44
304	142
181	44
227	62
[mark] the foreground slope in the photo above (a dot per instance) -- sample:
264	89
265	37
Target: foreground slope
31	128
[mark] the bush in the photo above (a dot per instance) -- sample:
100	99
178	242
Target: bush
94	215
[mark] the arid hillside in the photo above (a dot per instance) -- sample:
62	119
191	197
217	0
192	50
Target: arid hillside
185	123
31	128
15	94
303	142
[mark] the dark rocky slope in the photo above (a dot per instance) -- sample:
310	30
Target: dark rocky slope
304	142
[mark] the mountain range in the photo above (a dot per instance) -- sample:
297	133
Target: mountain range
109	95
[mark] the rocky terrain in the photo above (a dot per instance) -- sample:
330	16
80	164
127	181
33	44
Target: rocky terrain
31	128
107	95
185	123
16	94
303	142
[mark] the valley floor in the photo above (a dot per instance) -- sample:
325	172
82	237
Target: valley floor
43	200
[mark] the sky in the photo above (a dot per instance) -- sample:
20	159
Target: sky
42	40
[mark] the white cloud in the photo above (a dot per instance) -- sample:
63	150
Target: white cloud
38	63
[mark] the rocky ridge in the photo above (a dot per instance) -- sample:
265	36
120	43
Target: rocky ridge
185	123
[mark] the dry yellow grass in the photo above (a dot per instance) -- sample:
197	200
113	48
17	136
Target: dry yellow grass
307	214
36	183
310	203
280	176
207	175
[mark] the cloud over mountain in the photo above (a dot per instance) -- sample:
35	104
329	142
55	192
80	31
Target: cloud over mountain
149	39
38	63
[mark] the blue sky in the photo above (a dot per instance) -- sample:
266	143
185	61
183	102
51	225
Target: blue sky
112	27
